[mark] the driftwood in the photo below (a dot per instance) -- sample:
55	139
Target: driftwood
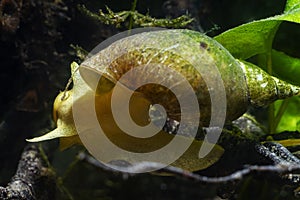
285	165
33	180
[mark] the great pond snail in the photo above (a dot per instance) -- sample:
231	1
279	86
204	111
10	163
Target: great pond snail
191	54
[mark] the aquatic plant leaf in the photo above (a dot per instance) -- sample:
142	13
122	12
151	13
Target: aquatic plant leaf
257	35
292	5
291	119
286	67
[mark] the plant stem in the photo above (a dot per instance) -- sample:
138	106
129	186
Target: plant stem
131	16
271	107
270	71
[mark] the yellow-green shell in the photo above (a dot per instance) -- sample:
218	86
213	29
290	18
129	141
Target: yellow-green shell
204	63
184	51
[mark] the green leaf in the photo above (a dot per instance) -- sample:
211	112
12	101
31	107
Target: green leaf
256	37
286	67
291	5
291	119
248	39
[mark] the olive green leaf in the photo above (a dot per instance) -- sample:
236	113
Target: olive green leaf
292	4
287	116
251	35
286	67
258	35
291	119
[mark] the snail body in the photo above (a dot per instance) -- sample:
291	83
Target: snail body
199	59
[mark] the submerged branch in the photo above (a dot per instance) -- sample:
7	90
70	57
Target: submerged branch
31	178
148	166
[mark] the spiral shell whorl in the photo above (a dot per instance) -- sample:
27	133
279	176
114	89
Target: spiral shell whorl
264	89
186	52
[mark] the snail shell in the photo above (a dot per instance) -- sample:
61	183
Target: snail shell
178	50
185	52
188	53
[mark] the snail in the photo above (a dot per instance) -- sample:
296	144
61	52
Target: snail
194	56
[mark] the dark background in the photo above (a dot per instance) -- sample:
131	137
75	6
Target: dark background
35	55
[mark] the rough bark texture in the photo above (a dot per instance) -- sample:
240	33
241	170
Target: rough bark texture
33	180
